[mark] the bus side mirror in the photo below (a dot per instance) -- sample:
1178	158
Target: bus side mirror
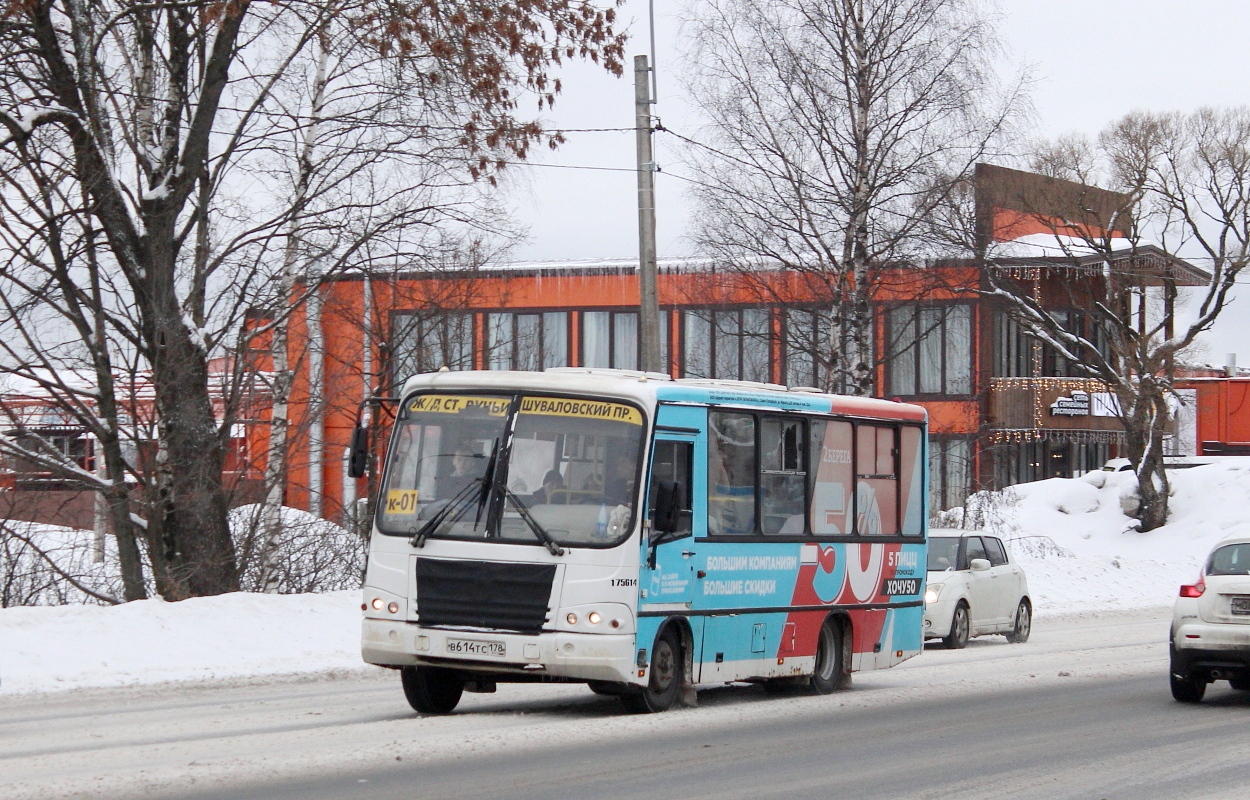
666	506
359	448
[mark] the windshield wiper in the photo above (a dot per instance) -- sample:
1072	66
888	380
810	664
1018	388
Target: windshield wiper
488	480
534	525
456	504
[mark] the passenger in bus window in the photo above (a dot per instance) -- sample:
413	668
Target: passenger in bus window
552	490
619	487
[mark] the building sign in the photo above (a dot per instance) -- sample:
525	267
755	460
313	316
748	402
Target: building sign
1075	406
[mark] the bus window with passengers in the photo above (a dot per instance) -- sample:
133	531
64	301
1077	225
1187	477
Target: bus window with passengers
566	475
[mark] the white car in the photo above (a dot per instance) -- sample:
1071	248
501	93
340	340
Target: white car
1210	638
974	588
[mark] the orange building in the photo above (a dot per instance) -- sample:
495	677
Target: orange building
1223	405
991	390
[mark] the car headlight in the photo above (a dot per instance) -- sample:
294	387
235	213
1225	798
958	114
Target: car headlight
931	594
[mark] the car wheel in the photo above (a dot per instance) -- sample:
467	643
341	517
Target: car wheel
432	690
1187	687
1240	684
828	671
1024	624
665	679
957	639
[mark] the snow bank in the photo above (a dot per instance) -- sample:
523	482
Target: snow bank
231	636
1080	551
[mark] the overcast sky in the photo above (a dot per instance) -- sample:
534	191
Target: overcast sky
1092	61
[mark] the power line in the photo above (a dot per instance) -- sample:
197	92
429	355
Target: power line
569	166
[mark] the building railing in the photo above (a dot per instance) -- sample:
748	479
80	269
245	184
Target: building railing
1076	409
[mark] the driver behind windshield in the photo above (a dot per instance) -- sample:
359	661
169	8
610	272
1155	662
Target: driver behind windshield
466	466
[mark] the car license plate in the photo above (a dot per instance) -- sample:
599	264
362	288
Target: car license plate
474	647
1241	606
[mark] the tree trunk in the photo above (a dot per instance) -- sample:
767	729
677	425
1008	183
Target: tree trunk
192	496
1145	427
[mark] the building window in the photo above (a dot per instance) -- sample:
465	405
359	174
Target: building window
428	341
610	339
932	350
950	472
527	341
1013	348
733	344
807	347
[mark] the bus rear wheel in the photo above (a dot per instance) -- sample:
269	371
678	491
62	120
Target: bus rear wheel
432	690
827	675
664	682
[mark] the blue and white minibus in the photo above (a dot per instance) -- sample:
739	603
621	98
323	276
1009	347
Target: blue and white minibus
643	535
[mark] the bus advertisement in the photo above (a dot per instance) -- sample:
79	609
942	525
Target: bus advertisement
643	536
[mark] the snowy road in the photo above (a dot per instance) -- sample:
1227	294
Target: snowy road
1082	710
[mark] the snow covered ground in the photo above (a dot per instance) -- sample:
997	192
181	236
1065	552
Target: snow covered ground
1071	536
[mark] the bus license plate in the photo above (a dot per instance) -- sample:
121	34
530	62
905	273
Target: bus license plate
471	647
1241	606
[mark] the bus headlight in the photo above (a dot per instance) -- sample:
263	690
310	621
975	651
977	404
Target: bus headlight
593	617
377	604
571	618
931	594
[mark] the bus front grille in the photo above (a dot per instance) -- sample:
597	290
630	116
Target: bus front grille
484	594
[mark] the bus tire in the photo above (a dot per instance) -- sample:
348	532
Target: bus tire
664	678
827	674
432	690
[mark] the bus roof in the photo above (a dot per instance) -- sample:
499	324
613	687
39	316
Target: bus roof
650	387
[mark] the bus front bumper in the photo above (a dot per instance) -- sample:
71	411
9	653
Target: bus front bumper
578	656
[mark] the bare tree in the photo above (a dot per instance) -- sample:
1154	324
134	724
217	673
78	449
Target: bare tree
1183	189
834	128
158	161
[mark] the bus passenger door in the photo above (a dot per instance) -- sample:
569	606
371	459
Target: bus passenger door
666	579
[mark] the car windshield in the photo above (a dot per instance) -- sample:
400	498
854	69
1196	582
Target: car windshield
1233	559
567	473
943	553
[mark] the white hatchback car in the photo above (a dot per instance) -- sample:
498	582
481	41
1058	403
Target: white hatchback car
1210	637
974	588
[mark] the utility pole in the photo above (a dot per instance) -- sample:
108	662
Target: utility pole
649	302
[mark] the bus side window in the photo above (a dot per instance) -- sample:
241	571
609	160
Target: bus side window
783	476
731	473
876	490
833	488
672	463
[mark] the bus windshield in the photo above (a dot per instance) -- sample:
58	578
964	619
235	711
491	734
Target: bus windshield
529	469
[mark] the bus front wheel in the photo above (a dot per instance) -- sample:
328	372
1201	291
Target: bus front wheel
827	675
432	690
664	682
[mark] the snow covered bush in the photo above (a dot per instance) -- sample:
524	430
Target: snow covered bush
51	565
984	511
313	554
